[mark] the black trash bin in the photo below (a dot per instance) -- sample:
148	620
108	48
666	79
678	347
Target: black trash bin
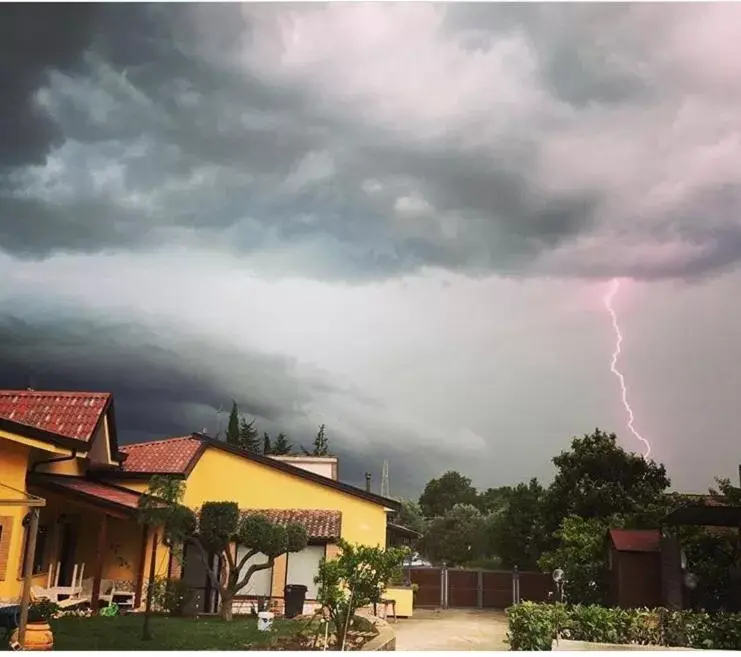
294	596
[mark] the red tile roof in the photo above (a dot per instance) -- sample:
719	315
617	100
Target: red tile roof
69	414
636	540
318	523
168	456
93	490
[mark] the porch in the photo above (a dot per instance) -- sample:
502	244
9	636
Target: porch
89	546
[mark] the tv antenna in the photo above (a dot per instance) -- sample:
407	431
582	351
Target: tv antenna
385	489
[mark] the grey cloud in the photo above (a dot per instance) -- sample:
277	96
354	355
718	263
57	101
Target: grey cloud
33	40
216	142
167	382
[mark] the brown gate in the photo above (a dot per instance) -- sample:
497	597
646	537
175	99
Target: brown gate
463	588
497	586
428	581
490	589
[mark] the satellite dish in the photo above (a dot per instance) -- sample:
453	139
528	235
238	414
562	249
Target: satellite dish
557	575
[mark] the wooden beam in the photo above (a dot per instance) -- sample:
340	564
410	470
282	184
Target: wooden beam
33	530
142	560
102	551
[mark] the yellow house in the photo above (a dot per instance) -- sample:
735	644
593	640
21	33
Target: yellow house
285	489
62	446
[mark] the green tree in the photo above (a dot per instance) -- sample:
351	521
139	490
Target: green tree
248	436
232	430
267	448
354	580
213	531
320	446
410	516
456	538
582	554
281	446
596	478
160	509
441	495
493	500
516	532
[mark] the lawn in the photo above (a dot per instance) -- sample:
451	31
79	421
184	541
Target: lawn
124	633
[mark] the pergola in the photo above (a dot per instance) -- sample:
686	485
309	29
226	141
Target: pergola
705	515
9	497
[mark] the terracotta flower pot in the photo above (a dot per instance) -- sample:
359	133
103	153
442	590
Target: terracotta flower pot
38	637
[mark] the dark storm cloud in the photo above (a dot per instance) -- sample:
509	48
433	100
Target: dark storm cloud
35	38
163	382
165	125
167	384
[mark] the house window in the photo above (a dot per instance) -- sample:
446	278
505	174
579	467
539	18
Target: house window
261	582
303	567
39	552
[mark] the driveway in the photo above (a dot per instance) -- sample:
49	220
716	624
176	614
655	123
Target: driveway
452	629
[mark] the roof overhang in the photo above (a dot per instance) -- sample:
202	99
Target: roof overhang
705	516
113	500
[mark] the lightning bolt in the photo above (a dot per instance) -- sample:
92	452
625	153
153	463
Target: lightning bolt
609	296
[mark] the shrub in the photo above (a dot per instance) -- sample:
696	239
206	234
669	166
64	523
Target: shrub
533	626
171	595
42	611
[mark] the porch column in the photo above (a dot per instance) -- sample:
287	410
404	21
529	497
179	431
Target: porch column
142	562
102	550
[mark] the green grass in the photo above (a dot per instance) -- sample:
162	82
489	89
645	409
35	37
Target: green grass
124	633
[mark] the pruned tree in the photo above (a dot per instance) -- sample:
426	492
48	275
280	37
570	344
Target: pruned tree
220	524
215	529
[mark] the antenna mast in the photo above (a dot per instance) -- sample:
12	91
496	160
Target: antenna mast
385	490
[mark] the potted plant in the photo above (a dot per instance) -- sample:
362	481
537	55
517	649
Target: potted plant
39	635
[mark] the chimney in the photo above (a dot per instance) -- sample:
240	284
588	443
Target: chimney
739	475
368	481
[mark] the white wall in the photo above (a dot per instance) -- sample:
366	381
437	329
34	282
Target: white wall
260	582
326	466
303	567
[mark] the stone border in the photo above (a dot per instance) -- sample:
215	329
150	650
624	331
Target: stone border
386	638
568	646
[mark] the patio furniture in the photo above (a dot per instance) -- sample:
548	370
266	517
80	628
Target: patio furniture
387	602
10	617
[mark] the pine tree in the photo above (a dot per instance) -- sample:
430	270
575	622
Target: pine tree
266	447
248	439
281	446
320	445
232	430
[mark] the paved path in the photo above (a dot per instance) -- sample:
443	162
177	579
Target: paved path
451	629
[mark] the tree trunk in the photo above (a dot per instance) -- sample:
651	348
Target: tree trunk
146	631
227	602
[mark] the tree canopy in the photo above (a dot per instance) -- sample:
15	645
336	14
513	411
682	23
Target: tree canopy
457	537
442	494
596	478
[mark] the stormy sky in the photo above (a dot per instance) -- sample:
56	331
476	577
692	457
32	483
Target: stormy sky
398	220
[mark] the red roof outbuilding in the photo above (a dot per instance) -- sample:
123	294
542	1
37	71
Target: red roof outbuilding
636	540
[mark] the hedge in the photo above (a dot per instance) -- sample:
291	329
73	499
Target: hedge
534	626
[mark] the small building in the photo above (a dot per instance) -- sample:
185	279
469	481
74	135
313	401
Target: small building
635	568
